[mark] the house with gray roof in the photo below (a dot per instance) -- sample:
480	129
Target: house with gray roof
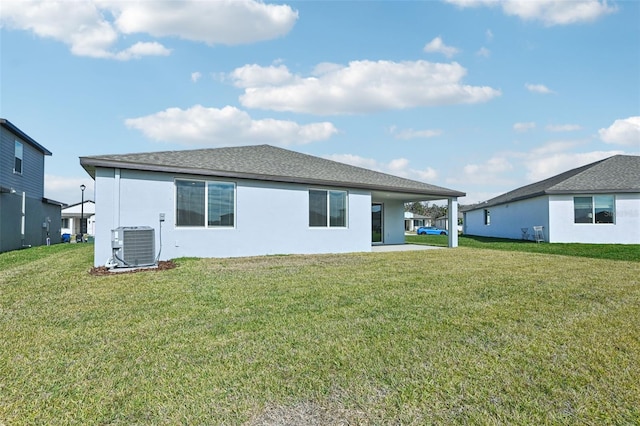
595	203
26	218
250	200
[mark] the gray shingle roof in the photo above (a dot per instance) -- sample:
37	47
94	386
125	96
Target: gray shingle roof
617	174
264	162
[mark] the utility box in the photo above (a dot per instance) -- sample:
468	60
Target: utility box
133	246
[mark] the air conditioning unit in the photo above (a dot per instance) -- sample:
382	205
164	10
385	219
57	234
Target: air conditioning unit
133	246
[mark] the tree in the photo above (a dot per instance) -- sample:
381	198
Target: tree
416	207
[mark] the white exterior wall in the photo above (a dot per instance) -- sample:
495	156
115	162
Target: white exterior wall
625	230
393	222
507	220
271	218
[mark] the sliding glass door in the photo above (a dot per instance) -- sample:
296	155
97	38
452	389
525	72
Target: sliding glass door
376	223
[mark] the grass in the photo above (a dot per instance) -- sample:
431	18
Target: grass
597	251
425	337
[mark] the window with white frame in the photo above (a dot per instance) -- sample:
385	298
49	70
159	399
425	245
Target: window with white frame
327	208
594	209
17	163
209	204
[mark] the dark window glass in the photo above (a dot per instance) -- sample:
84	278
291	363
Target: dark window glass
189	203
604	208
582	210
337	208
17	164
317	208
221	204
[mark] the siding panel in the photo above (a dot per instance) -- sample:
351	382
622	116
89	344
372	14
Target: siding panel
32	178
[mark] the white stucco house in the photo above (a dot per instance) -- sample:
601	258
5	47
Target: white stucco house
251	200
73	214
413	221
595	203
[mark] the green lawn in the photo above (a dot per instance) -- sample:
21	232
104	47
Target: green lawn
598	251
464	336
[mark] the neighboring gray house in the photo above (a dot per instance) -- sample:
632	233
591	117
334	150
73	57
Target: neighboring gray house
252	200
26	217
596	203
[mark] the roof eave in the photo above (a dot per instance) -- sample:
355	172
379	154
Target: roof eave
90	165
510	200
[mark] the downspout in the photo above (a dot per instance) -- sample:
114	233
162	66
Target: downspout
116	197
23	219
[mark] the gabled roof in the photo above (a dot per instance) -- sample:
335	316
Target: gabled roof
267	163
617	174
87	208
13	129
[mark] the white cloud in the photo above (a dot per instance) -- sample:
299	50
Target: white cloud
549	12
554	147
488	173
199	125
255	75
67	189
93	28
622	132
484	52
427	175
398	167
139	50
563	127
82	26
360	87
541	167
558	12
538	88
407	134
228	22
437	46
524	127
195	76
489	35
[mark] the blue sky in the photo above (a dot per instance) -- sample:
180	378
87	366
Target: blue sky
473	95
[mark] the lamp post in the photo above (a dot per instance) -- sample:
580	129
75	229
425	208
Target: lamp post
82	188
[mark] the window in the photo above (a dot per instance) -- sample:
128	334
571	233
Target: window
199	203
17	164
487	217
65	223
327	208
220	204
596	209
